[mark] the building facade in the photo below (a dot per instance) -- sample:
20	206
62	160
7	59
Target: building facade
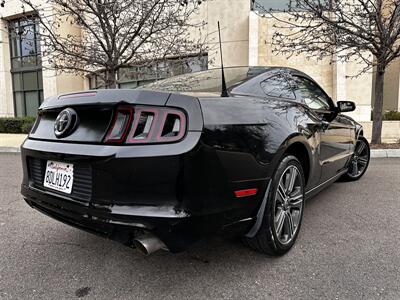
25	81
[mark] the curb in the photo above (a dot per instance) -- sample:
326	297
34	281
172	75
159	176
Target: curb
10	150
375	153
385	153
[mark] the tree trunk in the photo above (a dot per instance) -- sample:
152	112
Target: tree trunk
111	79
378	106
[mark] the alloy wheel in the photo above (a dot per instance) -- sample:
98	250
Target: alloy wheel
288	204
359	160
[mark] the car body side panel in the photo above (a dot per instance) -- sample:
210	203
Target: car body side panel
355	132
247	136
192	108
335	149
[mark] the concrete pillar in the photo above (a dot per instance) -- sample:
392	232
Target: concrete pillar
391	88
359	90
53	83
253	39
339	81
234	21
398	98
6	95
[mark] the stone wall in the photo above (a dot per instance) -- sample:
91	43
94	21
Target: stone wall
390	131
337	79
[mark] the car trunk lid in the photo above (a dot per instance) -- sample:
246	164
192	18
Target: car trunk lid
106	97
96	110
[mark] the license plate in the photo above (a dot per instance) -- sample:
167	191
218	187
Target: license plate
59	176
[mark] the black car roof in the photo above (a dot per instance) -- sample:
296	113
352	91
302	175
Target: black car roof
210	81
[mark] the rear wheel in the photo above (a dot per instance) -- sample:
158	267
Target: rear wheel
359	161
284	210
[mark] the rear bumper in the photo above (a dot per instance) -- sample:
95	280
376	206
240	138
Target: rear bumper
120	191
176	229
176	195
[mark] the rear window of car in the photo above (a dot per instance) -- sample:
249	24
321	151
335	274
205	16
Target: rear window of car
204	81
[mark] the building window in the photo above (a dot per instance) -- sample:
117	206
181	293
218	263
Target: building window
136	76
26	66
263	6
266	5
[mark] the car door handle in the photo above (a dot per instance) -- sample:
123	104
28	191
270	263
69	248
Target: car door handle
324	125
320	125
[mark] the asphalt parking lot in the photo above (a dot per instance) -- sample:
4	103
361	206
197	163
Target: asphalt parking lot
348	248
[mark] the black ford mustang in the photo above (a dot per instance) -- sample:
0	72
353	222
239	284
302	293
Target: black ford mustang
164	165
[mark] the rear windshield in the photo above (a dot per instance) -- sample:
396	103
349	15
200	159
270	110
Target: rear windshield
204	81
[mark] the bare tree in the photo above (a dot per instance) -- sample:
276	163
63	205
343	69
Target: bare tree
115	34
365	31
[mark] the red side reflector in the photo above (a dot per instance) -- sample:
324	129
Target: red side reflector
245	193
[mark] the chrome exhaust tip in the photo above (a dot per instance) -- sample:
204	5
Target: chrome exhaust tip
148	243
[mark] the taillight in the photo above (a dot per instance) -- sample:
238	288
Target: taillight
144	125
174	124
120	124
141	125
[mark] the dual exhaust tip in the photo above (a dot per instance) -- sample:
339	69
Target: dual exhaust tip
148	243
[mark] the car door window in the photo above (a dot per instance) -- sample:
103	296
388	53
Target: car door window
312	95
277	86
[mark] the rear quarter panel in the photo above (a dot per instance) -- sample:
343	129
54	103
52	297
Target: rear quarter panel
243	139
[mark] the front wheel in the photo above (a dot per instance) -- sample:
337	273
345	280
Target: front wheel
359	161
284	210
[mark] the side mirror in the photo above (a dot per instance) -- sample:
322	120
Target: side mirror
346	106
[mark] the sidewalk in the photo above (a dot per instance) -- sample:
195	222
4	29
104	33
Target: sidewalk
11	142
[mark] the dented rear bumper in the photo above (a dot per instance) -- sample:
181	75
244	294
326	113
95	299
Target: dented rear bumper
121	223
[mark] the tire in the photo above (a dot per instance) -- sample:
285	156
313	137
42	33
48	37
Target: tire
359	161
270	238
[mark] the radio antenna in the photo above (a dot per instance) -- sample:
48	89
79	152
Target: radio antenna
224	92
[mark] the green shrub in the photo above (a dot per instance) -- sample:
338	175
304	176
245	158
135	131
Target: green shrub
16	125
389	115
12	125
26	127
392	116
